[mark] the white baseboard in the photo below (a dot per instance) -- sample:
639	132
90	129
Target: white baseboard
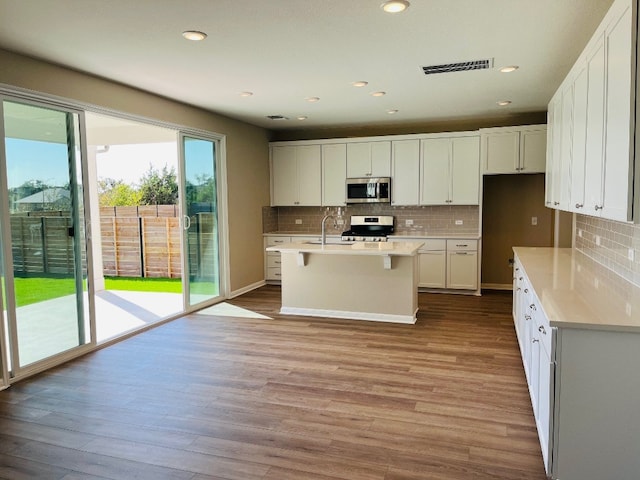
372	317
247	289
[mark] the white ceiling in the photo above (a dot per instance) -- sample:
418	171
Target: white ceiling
287	50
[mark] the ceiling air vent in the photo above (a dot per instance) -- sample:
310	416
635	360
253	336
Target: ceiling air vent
277	117
458	67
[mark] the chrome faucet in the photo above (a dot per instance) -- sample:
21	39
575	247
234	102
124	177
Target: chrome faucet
324	232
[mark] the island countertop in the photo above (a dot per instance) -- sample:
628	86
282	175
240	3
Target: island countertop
403	249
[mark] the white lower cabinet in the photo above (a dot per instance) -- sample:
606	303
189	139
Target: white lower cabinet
432	264
582	378
462	264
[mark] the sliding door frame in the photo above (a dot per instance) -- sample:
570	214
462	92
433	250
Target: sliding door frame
22	95
221	216
17	371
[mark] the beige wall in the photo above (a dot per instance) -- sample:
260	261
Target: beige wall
459	125
247	146
509	202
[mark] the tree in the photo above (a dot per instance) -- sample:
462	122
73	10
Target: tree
116	193
159	187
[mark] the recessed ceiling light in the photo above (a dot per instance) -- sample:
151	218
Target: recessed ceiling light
360	83
312	99
395	6
302	117
509	69
194	35
378	94
392	112
246	94
504	103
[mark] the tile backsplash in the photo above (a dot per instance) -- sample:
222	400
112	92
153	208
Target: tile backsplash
616	240
431	220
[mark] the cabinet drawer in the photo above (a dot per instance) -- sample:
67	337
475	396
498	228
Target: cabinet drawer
454	245
274	261
274	273
271	241
543	330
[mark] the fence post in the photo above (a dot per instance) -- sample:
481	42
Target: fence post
115	245
43	240
168	233
141	239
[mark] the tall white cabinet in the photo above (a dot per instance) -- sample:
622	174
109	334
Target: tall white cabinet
296	175
450	171
591	160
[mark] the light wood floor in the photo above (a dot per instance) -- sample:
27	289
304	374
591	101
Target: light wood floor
291	398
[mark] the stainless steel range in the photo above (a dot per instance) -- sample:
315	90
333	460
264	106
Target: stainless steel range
369	228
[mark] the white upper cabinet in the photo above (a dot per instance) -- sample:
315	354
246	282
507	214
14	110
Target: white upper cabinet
369	159
334	174
617	180
450	171
405	187
514	149
296	175
593	151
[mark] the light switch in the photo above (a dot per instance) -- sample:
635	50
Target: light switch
298	221
534	221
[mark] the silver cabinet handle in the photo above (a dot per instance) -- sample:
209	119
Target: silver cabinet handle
579	205
533	307
542	330
535	340
527	317
556	203
598	207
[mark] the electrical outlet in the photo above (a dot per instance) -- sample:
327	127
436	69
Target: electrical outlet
534	221
298	221
627	309
631	254
459	222
598	240
408	222
596	283
580	232
340	221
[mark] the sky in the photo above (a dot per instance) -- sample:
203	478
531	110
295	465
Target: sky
47	162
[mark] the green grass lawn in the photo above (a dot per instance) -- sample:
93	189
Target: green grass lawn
39	289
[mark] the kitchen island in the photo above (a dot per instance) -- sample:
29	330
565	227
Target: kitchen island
375	281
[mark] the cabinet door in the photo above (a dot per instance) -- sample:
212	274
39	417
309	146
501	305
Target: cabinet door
465	171
380	159
462	270
358	160
553	181
501	152
595	131
435	163
579	139
433	266
543	421
284	186
405	186
617	177
564	176
334	174
533	150
309	177
551	133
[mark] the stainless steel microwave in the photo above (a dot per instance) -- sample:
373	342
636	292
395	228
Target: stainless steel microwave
369	190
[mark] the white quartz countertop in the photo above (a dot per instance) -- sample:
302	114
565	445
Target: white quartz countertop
576	292
357	248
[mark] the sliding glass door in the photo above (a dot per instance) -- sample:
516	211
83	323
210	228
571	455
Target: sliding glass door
200	220
43	237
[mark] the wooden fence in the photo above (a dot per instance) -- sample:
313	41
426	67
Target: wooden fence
141	241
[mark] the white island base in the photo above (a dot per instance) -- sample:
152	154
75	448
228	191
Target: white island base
352	282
